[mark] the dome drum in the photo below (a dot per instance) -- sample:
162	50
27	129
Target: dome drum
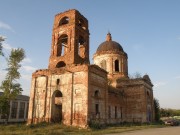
111	57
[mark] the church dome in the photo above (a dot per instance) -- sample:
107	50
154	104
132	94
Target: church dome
109	45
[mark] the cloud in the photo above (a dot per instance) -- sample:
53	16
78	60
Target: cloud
159	84
178	38
27	60
5	26
7	46
29	68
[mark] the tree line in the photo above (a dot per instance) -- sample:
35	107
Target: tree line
169	112
10	86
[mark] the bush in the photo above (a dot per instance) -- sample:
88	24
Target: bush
94	124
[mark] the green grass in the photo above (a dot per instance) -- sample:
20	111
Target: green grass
58	129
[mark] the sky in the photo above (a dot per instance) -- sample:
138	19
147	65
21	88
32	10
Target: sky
148	31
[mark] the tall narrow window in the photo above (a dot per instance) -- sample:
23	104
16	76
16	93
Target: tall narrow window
62	45
21	110
115	112
57	82
116	65
14	110
97	109
81	46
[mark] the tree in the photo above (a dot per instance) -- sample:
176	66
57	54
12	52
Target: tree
1	40
169	112
156	110
10	87
136	75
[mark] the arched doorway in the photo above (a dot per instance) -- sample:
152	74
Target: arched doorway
57	106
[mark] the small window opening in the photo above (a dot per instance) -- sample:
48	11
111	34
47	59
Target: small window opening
81	24
96	93
116	65
57	82
97	109
63	21
60	64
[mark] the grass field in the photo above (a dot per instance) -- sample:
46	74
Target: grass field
58	129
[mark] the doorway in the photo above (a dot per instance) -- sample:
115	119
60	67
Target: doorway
57	107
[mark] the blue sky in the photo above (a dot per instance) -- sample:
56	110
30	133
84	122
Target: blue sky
149	32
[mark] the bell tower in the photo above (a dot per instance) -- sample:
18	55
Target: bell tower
70	40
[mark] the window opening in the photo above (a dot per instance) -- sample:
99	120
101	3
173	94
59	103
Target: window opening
21	110
81	46
14	110
116	65
63	21
62	45
57	81
61	64
96	93
81	24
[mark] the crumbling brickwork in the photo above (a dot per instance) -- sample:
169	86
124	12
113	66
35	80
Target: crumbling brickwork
73	92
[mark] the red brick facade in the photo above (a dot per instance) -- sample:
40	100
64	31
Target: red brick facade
75	93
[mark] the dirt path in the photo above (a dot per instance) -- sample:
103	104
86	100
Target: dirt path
154	131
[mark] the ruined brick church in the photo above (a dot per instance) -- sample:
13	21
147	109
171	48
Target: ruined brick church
74	92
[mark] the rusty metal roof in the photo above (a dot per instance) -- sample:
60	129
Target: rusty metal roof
109	46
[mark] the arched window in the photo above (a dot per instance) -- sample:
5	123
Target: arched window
103	64
96	93
81	23
60	64
116	65
63	21
62	45
58	94
81	46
